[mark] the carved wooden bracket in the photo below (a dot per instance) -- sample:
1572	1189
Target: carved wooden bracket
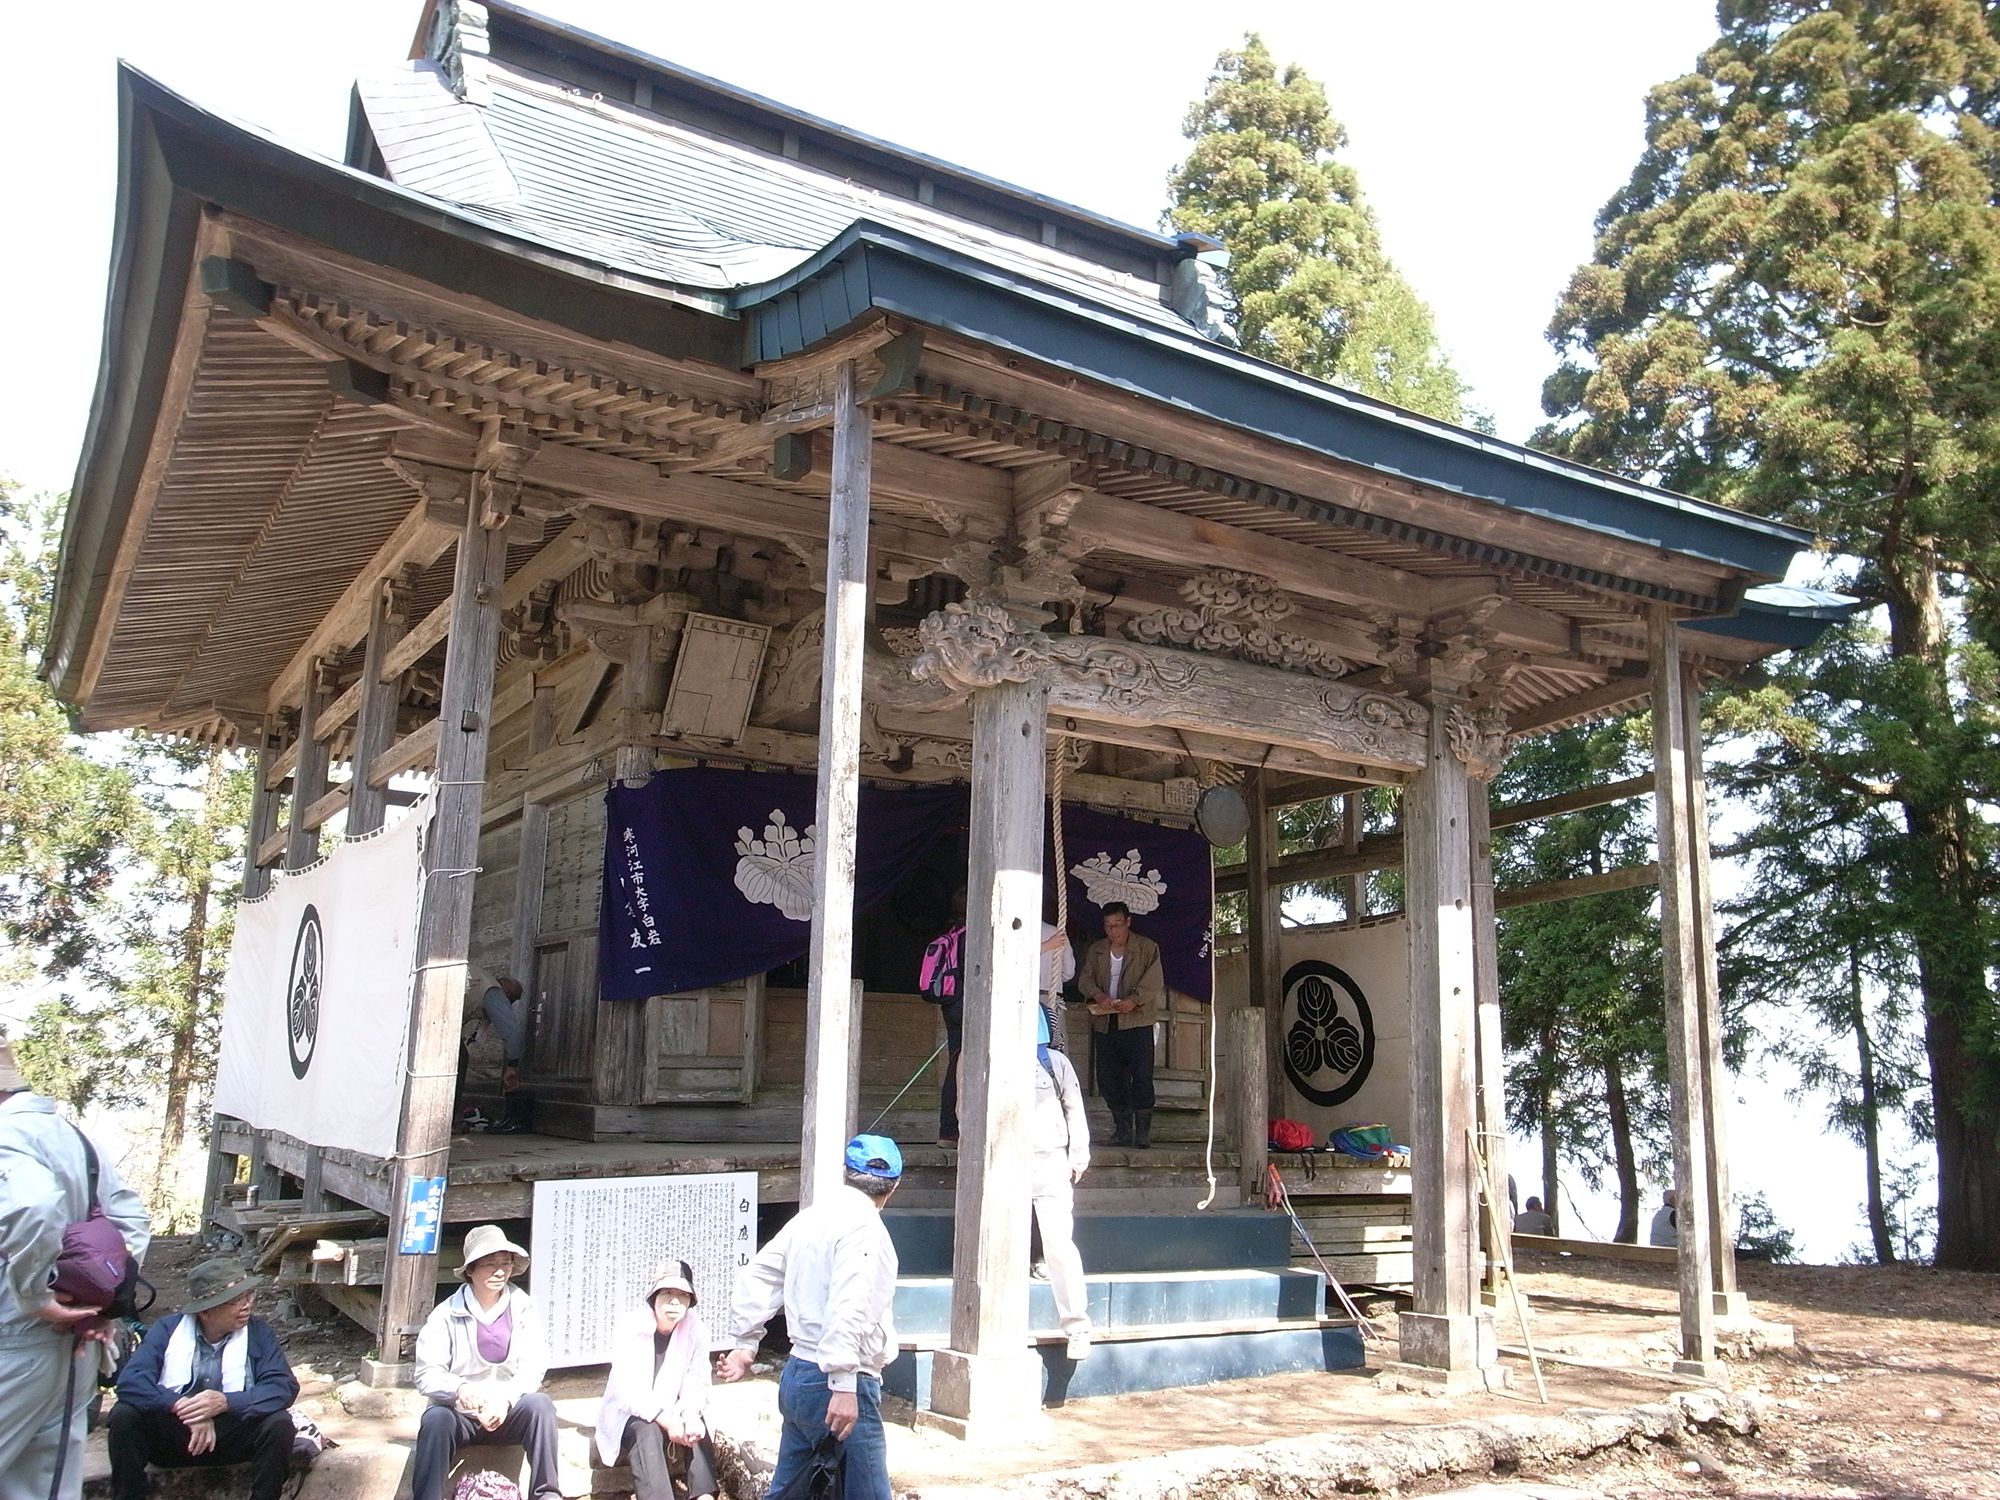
1478	737
1237	614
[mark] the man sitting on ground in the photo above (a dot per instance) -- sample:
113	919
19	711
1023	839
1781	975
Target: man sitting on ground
209	1386
1534	1219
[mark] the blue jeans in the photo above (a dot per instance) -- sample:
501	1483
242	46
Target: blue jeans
802	1398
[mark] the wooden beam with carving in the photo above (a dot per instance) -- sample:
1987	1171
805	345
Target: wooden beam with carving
1098	681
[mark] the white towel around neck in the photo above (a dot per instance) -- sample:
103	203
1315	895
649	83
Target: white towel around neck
177	1368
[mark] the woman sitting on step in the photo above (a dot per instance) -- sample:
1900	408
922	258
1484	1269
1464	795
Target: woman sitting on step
655	1407
480	1359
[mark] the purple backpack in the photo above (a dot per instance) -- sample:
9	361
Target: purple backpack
93	1268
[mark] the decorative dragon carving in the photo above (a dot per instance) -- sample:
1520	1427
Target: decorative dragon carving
1237	614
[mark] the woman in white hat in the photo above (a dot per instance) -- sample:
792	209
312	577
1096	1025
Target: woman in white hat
656	1402
480	1359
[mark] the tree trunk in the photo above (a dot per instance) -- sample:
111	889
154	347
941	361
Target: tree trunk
1950	960
187	1014
1871	1121
1551	1144
1620	1118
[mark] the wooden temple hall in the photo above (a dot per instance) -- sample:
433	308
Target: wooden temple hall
594	423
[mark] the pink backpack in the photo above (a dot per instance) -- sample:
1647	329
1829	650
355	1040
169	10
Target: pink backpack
938	976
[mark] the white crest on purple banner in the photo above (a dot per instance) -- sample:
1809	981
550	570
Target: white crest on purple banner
777	870
1127	880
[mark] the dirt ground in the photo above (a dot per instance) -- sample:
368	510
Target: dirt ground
1891	1392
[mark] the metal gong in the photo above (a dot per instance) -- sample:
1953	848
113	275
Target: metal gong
1222	817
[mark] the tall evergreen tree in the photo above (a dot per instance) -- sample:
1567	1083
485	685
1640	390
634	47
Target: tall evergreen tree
1794	307
1315	291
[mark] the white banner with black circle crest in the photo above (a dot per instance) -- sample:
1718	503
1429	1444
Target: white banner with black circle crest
316	1005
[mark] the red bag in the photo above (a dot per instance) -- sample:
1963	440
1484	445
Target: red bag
1293	1135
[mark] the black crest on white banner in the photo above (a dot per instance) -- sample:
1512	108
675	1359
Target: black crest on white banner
304	989
1329	1042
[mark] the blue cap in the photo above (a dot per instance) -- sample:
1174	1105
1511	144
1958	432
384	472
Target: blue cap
875	1156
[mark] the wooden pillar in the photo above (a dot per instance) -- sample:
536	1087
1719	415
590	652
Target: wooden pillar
375	717
444	918
534	855
309	784
623	1072
830	1018
1491	1052
1354	887
1249	1096
1681	969
989	1380
1261	921
308	771
262	823
1729	1302
1446	1335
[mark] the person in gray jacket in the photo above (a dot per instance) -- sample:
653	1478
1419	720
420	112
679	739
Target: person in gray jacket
48	1351
481	1358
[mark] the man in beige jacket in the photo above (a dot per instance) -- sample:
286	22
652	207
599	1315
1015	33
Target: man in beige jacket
1121	979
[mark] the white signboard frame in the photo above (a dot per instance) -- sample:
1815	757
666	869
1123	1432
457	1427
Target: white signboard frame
597	1241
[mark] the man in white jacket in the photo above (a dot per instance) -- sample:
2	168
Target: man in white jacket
833	1271
44	1187
1059	1131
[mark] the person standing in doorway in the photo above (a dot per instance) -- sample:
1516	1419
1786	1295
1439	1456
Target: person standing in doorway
48	1349
1122	980
1058	968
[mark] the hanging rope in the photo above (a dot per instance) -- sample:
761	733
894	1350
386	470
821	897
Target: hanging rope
1058	776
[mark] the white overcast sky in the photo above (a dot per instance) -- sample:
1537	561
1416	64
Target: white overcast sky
1487	136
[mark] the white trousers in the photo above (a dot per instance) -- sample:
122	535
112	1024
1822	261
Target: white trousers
33	1372
1055	1213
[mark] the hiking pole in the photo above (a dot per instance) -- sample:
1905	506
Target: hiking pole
1276	1196
1506	1248
921	1069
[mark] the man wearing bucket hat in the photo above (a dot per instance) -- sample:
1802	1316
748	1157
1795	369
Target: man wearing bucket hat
832	1270
481	1358
44	1187
208	1386
655	1406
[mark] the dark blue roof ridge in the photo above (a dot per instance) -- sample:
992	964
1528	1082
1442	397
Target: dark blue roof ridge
1171	247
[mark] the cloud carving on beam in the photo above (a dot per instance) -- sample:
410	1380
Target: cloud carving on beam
1237	614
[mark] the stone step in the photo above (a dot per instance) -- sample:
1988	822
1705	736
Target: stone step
1120	1303
1114	1243
1193	1357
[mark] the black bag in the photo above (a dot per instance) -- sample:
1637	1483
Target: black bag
823	1478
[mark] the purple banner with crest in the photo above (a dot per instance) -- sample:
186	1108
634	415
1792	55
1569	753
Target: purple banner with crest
1164	874
708	874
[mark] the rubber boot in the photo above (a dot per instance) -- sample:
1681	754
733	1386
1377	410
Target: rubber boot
1142	1130
1121	1128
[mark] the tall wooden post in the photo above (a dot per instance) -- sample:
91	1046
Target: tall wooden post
621	1074
1729	1302
263	821
1353	887
308	771
1249	1097
1681	970
444	918
1492	1065
375	716
829	1001
989	1380
1446	1337
532	863
1261	918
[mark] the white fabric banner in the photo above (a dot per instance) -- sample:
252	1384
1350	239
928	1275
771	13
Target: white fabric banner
316	1005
